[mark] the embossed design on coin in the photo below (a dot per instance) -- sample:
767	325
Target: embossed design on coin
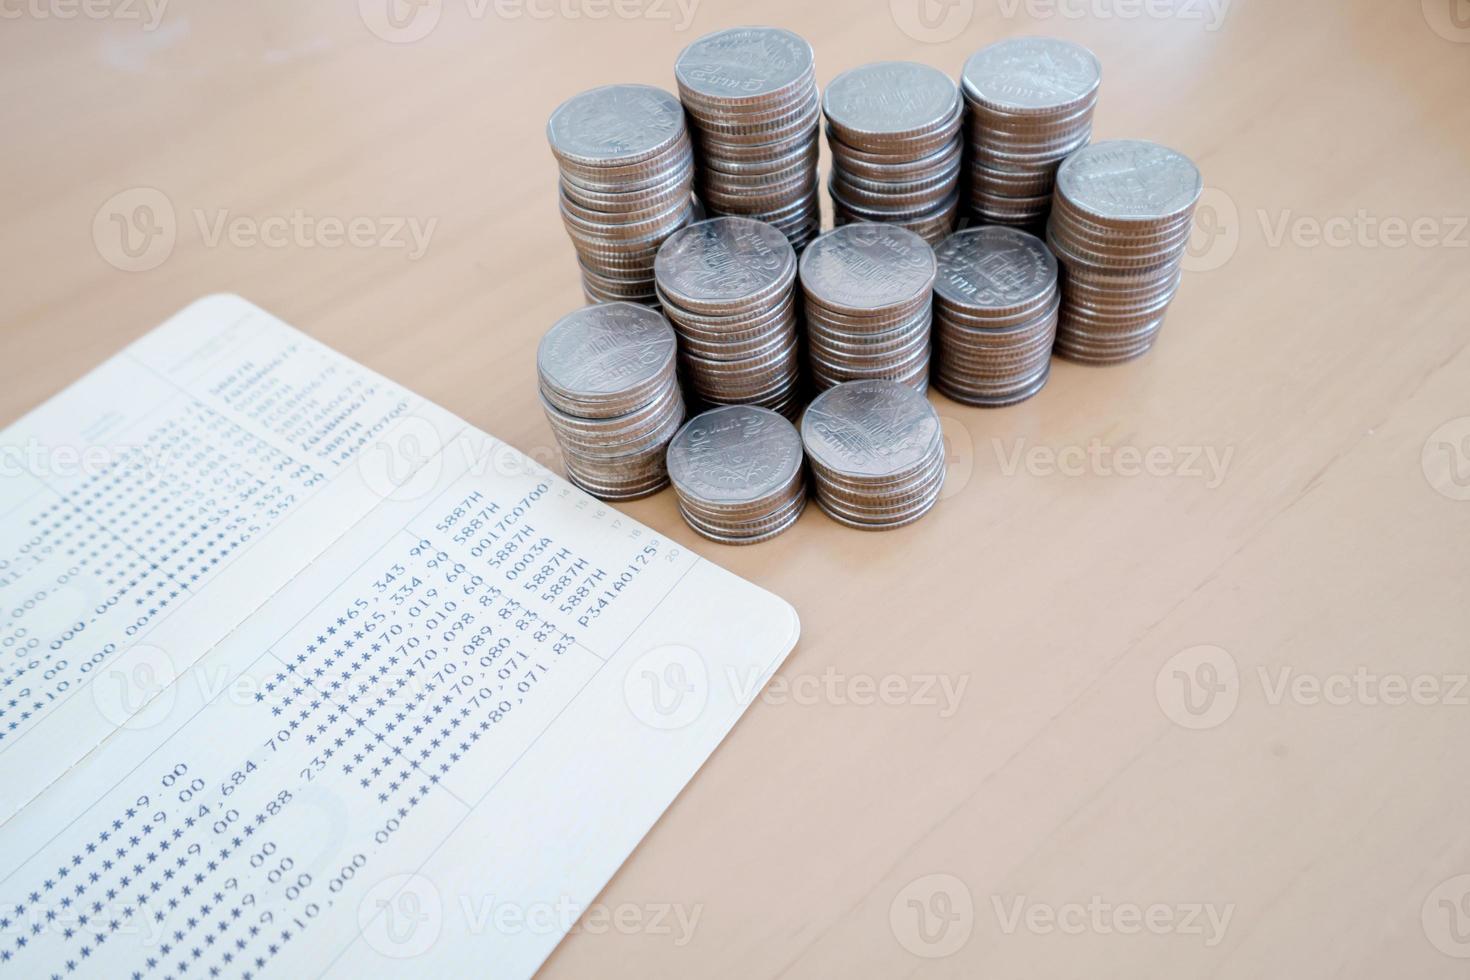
743	63
615	123
890	98
994	267
1130	179
735	454
1031	73
863	266
870	428
606	349
724	262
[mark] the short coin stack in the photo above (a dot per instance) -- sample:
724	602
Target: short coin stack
1120	227
995	315
894	130
727	285
869	290
738	472
609	390
627	174
876	451
1030	106
751	94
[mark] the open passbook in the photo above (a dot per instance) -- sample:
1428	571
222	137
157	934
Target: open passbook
298	671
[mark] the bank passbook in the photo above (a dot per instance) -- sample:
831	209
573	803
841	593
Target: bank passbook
301	675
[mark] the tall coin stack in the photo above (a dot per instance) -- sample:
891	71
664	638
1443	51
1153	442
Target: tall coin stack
738	472
751	94
727	285
894	130
1120	227
869	290
1030	106
609	390
627	174
876	451
995	315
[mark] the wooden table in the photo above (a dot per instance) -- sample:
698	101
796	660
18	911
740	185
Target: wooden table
1186	637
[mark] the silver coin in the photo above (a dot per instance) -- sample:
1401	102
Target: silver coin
724	264
994	268
1130	180
743	65
870	429
599	354
1027	74
734	455
615	124
865	267
890	100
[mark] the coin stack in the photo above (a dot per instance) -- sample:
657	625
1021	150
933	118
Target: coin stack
738	472
627	174
727	285
995	315
894	130
751	94
1120	226
876	451
609	389
1030	106
868	294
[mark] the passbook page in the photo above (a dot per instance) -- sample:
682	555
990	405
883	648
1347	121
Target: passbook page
305	676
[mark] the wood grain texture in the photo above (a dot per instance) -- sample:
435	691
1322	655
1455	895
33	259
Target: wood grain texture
1055	602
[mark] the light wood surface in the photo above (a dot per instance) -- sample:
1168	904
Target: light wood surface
1062	607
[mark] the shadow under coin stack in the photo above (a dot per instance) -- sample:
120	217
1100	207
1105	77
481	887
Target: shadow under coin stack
627	175
869	290
738	472
727	286
995	315
609	390
876	451
1030	106
894	130
1120	227
751	94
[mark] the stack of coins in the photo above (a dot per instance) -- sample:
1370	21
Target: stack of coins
894	130
751	94
738	472
1030	106
727	285
627	175
995	315
1119	227
876	452
609	389
868	305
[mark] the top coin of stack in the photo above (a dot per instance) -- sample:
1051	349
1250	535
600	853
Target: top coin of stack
1120	227
1030	106
876	451
751	94
627	172
894	129
869	290
738	472
727	285
609	390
